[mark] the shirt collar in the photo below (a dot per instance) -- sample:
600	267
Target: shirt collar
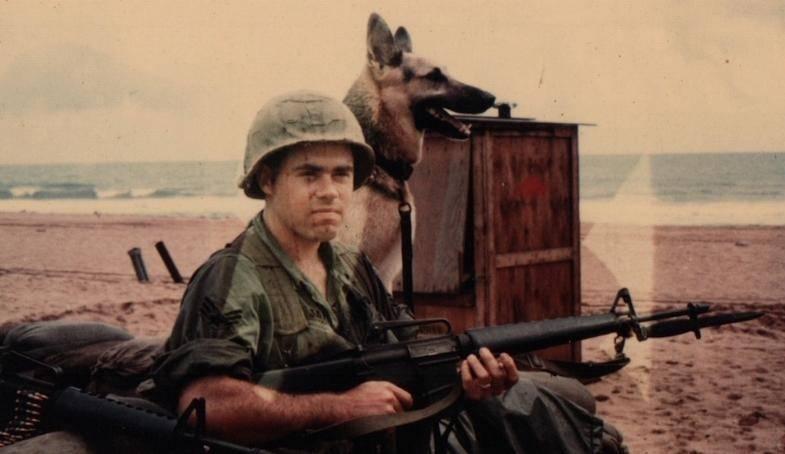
326	252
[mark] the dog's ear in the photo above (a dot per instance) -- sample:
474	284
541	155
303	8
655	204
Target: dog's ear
402	40
381	44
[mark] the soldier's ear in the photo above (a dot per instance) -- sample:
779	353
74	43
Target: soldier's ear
265	179
381	44
402	40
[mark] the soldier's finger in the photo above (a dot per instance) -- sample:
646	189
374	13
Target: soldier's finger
491	364
496	370
395	405
470	385
478	370
466	376
402	396
510	369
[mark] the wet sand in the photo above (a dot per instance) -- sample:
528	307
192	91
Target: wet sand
724	393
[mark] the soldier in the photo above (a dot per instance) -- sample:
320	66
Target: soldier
282	293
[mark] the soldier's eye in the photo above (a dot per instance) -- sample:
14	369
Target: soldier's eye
341	175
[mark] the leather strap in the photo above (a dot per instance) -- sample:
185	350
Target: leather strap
400	170
363	426
407	253
583	371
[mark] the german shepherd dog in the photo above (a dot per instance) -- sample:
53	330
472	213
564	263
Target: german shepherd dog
397	97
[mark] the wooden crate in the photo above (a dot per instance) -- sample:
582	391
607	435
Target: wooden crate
497	226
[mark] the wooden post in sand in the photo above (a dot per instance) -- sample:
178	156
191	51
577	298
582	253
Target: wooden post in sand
138	263
173	271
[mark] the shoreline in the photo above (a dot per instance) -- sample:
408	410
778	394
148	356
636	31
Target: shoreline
623	209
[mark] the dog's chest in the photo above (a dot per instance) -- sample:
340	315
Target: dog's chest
373	225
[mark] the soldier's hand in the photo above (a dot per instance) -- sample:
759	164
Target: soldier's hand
375	398
484	375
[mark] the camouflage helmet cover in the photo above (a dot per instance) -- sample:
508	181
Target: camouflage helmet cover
302	117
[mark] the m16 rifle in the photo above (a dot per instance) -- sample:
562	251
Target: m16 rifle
427	367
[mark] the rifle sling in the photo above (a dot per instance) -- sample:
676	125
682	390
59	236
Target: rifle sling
363	426
407	252
583	371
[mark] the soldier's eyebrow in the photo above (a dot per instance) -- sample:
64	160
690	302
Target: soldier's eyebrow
313	168
344	169
306	167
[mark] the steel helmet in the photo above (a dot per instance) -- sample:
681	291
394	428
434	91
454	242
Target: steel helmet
299	117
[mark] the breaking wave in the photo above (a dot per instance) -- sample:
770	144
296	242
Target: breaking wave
56	191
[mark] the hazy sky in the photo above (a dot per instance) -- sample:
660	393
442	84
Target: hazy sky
139	81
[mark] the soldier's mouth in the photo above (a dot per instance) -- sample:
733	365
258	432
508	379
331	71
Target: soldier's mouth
435	118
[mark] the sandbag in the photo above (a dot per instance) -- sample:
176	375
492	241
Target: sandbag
42	339
72	346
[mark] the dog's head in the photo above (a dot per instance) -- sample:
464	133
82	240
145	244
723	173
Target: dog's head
408	81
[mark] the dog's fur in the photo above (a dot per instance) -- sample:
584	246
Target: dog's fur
396	98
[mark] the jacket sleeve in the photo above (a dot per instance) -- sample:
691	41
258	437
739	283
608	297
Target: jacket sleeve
224	326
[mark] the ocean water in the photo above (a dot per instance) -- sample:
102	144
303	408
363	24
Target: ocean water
671	189
684	189
685	178
118	180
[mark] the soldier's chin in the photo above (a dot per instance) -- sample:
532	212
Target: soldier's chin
326	231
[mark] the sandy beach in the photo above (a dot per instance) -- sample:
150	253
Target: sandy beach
724	393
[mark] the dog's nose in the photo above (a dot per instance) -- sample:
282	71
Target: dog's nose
479	101
488	99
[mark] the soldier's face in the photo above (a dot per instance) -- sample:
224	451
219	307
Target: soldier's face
312	190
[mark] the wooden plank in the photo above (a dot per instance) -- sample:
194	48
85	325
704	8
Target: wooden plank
534	257
531	191
576	235
537	292
568	132
551	297
463	299
461	317
480	228
491	222
441	188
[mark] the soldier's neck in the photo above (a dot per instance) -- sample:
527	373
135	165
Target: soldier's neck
302	251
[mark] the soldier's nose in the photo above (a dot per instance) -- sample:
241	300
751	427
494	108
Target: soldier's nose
327	189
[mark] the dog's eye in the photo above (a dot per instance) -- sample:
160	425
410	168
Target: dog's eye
435	75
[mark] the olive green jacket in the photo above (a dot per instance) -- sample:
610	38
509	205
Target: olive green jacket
249	309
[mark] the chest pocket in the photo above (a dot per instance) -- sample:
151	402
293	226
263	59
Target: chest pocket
288	315
300	329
